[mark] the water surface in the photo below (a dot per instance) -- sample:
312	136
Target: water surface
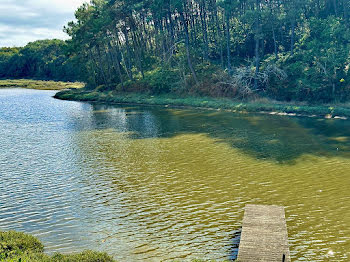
152	184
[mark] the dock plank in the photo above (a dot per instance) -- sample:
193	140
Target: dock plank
264	235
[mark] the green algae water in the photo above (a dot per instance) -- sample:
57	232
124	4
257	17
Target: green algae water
158	184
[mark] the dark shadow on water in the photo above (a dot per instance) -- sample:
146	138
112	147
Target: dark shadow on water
236	239
267	137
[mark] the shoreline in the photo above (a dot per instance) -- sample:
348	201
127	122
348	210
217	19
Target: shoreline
20	246
39	84
206	103
74	91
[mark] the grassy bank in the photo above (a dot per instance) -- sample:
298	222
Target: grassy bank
263	105
20	247
39	84
15	247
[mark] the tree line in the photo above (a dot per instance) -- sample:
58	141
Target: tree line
283	49
45	59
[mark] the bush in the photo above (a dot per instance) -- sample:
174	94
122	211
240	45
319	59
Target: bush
15	247
86	256
14	243
29	257
161	80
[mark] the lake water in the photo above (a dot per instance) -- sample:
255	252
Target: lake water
152	184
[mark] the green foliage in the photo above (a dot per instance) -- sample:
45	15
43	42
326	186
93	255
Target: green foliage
44	59
20	247
193	46
319	68
14	243
15	247
137	46
29	257
86	256
162	80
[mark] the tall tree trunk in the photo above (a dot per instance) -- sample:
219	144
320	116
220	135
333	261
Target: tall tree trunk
272	19
292	38
115	56
99	65
187	44
191	22
129	56
171	27
94	66
203	15
138	53
228	42
162	34
275	42
219	35
123	61
257	45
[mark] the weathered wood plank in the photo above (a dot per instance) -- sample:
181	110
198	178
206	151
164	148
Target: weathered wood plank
264	235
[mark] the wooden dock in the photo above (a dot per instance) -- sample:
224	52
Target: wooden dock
264	235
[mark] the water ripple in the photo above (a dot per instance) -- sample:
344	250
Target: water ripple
151	185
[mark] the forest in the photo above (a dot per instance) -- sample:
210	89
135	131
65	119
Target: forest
45	60
291	50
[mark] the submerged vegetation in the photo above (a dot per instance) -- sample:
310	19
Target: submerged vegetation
284	50
38	84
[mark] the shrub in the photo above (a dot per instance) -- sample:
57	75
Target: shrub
86	256
16	247
29	257
14	243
